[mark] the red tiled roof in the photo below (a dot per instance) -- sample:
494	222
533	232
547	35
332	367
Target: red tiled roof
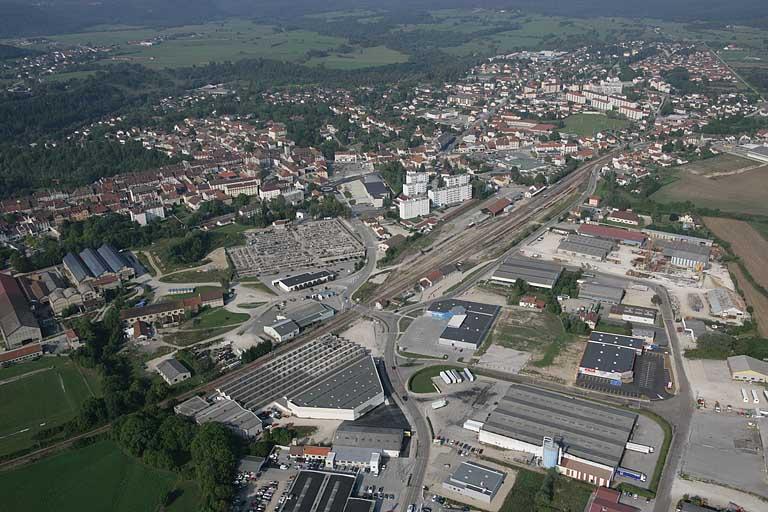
26	350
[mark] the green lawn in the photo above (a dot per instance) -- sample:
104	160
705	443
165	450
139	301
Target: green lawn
41	400
255	284
189	295
361	58
587	125
98	477
186	338
218	317
421	381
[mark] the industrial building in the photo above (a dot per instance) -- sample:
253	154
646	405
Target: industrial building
607	500
664	235
585	247
631	342
612	362
172	371
684	254
618	235
344	395
725	303
601	292
584	440
748	369
227	412
165	313
376	190
282	330
306	280
324	491
93	264
468	322
291	373
389	440
541	274
475	481
18	325
634	314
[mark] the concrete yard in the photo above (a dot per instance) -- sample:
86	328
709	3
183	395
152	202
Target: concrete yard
443	461
726	449
364	333
711	381
504	359
422	335
649	433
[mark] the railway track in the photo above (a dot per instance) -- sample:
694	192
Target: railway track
467	244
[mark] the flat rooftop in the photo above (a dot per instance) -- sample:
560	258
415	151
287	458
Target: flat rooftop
304	278
477	477
588	430
529	270
601	292
345	389
608	358
470	322
349	434
586	245
619	340
319	491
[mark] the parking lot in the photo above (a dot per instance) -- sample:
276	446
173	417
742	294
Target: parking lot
646	432
711	381
727	449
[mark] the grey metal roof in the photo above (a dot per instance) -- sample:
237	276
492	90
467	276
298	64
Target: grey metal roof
345	389
629	309
76	267
356	454
720	301
349	434
477	477
93	261
586	245
112	258
685	250
284	327
588	430
309	312
14	308
608	358
746	363
477	322
529	270
304	278
601	292
171	368
191	406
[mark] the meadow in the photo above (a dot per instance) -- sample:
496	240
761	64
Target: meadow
97	477
40	394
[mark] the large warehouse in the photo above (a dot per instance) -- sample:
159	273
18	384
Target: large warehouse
685	254
586	247
601	292
329	377
344	395
541	274
18	324
468	322
92	264
591	437
611	356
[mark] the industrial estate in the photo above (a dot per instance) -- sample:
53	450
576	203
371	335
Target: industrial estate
509	288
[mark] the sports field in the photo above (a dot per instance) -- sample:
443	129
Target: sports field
98	477
587	125
744	192
40	394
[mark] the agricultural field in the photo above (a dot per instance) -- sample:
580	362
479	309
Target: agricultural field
752	249
724	164
233	39
743	192
587	125
41	394
97	477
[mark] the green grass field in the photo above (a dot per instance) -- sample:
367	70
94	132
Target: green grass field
421	381
231	39
44	399
570	495
192	276
98	477
214	318
587	125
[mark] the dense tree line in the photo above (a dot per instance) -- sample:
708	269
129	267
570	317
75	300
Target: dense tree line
24	169
722	345
735	125
253	353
